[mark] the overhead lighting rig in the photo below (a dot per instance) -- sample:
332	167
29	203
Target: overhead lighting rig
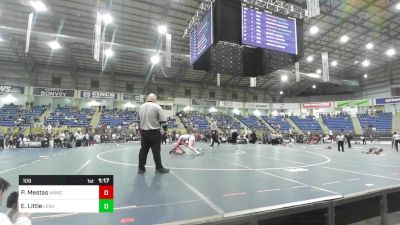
203	7
270	5
279	7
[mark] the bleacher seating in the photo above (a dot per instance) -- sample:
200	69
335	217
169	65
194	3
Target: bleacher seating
121	118
252	122
382	122
70	118
339	123
197	121
15	115
171	123
277	122
307	124
226	122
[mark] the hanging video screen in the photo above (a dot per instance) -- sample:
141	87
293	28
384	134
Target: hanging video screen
262	29
202	37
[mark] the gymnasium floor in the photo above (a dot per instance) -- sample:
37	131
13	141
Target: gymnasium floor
224	181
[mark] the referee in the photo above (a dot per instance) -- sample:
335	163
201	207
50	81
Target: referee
151	116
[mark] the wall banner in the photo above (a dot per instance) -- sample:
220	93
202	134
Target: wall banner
99	95
53	92
204	102
11	89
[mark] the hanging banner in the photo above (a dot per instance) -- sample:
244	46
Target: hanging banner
132	97
297	71
253	81
99	95
218	79
168	50
254	105
28	33
352	103
325	67
230	104
53	92
317	105
392	100
97	36
313	8
11	89
204	102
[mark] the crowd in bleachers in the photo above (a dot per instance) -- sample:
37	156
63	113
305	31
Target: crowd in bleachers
277	122
17	116
307	123
338	123
252	122
381	123
225	122
118	118
195	120
70	117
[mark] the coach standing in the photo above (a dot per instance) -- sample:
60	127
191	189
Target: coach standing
150	117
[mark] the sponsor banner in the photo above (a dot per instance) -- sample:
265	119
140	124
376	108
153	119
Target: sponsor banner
204	102
392	100
230	104
256	105
317	105
352	103
53	92
132	97
12	89
99	95
285	106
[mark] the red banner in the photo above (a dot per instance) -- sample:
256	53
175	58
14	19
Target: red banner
317	105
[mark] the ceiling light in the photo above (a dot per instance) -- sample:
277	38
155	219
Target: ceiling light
314	30
365	75
310	58
155	59
38	5
366	63
1	39
109	53
281	92
319	71
390	52
369	46
344	39
398	6
107	18
314	86
284	78
334	63
356	62
162	29
54	45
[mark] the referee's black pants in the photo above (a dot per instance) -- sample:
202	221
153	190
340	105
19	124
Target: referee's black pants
150	139
340	145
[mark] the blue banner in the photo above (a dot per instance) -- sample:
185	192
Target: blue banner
382	101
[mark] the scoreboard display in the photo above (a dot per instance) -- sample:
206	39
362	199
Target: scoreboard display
202	37
66	194
262	29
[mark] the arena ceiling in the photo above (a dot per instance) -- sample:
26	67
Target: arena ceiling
134	37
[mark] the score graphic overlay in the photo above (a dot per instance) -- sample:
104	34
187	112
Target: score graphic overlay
202	37
66	194
264	30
